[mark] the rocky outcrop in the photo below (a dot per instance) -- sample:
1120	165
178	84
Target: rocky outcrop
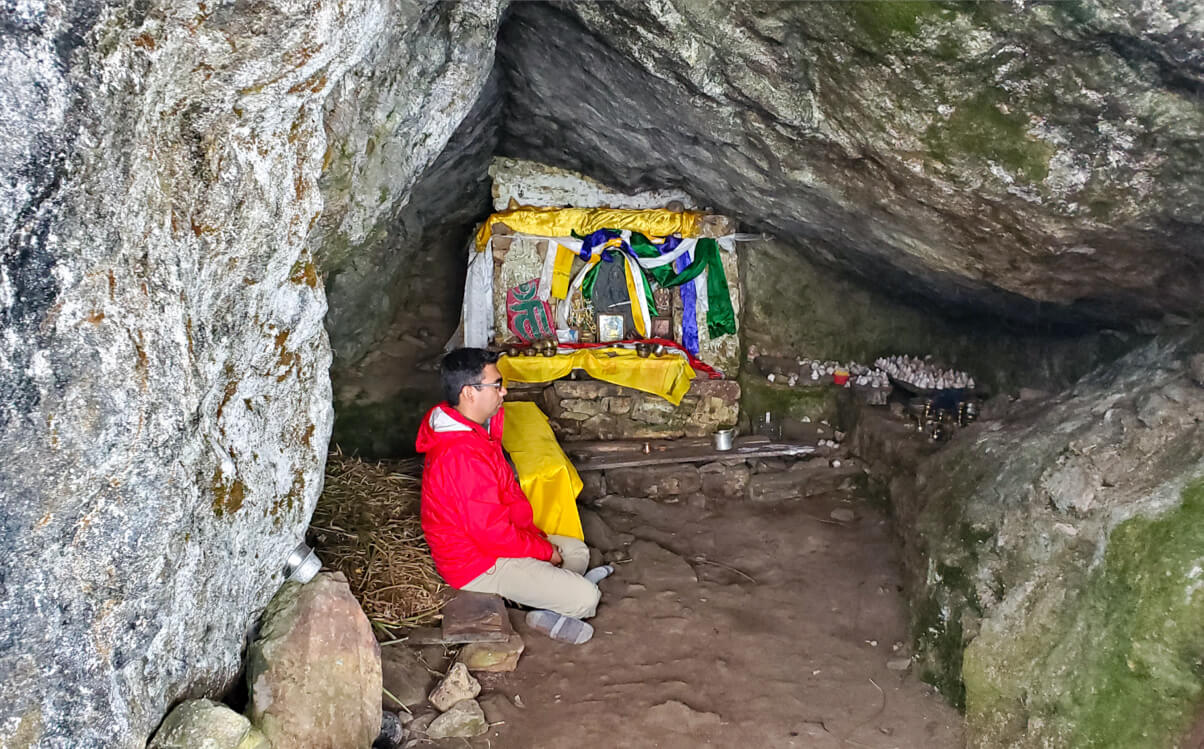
175	179
1054	558
165	404
411	129
406	183
314	672
1039	162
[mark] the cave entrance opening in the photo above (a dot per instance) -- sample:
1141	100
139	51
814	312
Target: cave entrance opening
717	551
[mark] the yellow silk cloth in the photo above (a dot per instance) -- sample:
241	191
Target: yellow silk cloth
562	222
667	376
544	471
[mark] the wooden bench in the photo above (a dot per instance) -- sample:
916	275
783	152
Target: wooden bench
602	456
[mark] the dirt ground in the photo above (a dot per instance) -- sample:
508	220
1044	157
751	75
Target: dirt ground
734	625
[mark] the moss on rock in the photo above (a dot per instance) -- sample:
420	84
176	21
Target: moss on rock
1119	664
758	396
880	19
989	127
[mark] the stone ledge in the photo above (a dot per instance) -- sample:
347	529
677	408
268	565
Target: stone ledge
590	409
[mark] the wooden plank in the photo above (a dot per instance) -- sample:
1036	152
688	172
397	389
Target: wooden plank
589	449
745	448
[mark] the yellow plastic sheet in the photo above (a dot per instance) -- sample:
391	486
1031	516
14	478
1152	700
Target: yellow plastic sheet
562	222
547	477
666	376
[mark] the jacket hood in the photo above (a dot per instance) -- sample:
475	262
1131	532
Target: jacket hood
443	424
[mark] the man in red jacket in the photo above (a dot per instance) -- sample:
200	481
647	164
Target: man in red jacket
476	518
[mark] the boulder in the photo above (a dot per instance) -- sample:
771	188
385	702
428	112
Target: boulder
456	686
593	485
463	720
166	404
203	724
314	671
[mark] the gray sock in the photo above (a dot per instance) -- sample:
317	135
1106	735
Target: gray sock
598	574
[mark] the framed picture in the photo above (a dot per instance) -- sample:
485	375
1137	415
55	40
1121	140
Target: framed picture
662	327
610	328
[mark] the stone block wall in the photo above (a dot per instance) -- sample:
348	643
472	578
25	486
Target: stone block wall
594	410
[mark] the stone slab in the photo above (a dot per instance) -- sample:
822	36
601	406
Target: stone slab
493	657
469	613
587	389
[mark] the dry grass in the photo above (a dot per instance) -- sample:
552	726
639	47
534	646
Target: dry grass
366	526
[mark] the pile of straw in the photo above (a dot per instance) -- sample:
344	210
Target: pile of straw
366	526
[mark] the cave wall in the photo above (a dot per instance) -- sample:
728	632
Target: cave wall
184	186
795	307
398	301
1053	557
165	410
1034	161
411	130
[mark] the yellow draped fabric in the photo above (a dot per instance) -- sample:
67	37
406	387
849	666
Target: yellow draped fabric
562	222
667	376
562	272
635	292
544	471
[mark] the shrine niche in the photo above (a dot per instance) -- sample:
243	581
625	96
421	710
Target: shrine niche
637	305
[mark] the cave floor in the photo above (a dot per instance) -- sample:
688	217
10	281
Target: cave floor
694	653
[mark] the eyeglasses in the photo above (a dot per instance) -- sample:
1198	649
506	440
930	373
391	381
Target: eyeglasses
479	385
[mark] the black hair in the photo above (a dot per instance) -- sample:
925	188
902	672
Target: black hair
463	366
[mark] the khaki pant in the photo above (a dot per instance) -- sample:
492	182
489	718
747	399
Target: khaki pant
543	585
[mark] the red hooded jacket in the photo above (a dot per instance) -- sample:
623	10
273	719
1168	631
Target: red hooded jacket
473	510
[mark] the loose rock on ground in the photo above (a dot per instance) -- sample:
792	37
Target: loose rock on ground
456	686
314	672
